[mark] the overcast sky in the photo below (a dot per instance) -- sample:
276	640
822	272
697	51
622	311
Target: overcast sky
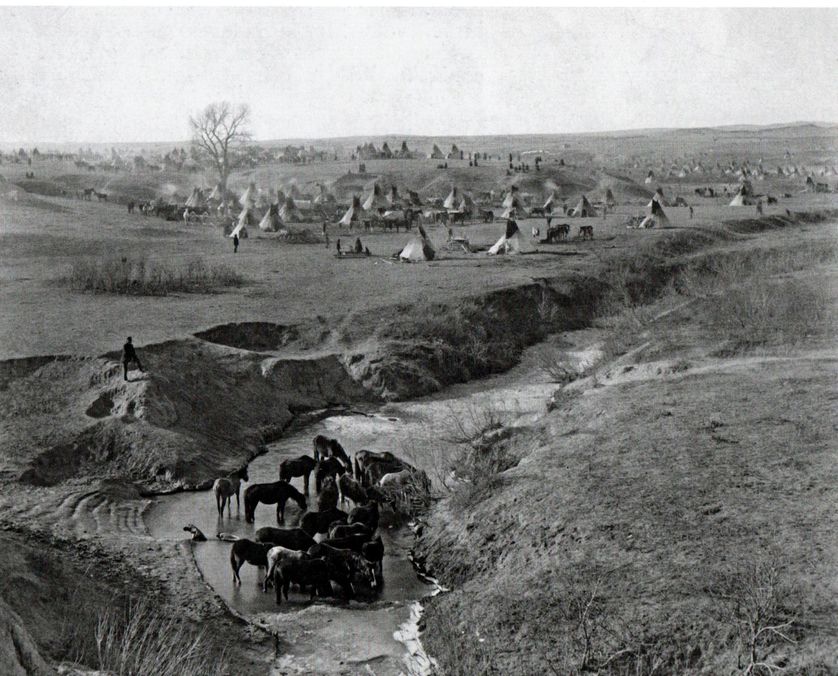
98	74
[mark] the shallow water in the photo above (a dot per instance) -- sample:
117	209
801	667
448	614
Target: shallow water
328	637
169	514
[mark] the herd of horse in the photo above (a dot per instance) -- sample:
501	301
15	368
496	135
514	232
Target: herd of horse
329	545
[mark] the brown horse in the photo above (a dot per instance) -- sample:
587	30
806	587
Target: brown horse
301	466
276	493
330	448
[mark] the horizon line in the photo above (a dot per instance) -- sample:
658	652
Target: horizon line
724	127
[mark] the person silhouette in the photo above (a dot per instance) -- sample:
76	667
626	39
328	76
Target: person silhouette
129	354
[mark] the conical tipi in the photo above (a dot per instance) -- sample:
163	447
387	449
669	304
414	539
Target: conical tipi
353	213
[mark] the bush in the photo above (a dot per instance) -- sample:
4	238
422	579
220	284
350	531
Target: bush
141	277
751	305
139	640
555	364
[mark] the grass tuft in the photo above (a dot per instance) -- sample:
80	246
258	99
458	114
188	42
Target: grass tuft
142	277
138	640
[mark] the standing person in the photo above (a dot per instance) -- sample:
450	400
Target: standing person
359	248
691	213
325	234
129	354
235	243
337	246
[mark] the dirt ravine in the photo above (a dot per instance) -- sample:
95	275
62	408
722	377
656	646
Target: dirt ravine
84	451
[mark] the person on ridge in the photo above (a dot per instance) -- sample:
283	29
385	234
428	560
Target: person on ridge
235	243
129	354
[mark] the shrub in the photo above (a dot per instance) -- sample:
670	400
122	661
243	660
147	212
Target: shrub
141	277
555	364
139	640
761	607
751	306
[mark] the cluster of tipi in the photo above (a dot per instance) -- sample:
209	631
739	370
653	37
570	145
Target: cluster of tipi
743	170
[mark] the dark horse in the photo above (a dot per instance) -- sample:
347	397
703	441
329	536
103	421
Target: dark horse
276	493
384	462
295	467
319	522
328	467
330	448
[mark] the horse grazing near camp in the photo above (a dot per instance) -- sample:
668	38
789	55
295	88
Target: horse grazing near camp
364	459
330	448
87	194
319	522
101	196
487	215
314	573
359	570
276	493
327	467
290	538
376	471
226	487
352	489
301	466
277	556
131	206
586	231
457	217
246	551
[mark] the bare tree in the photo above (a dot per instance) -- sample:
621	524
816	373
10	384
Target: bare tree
216	132
761	605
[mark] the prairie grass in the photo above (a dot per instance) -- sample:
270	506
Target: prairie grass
142	277
137	639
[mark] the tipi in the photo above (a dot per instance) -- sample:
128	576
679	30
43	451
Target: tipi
195	199
393	198
248	197
658	197
437	154
376	201
511	242
452	201
584	209
271	221
289	212
241	224
418	248
657	217
353	213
